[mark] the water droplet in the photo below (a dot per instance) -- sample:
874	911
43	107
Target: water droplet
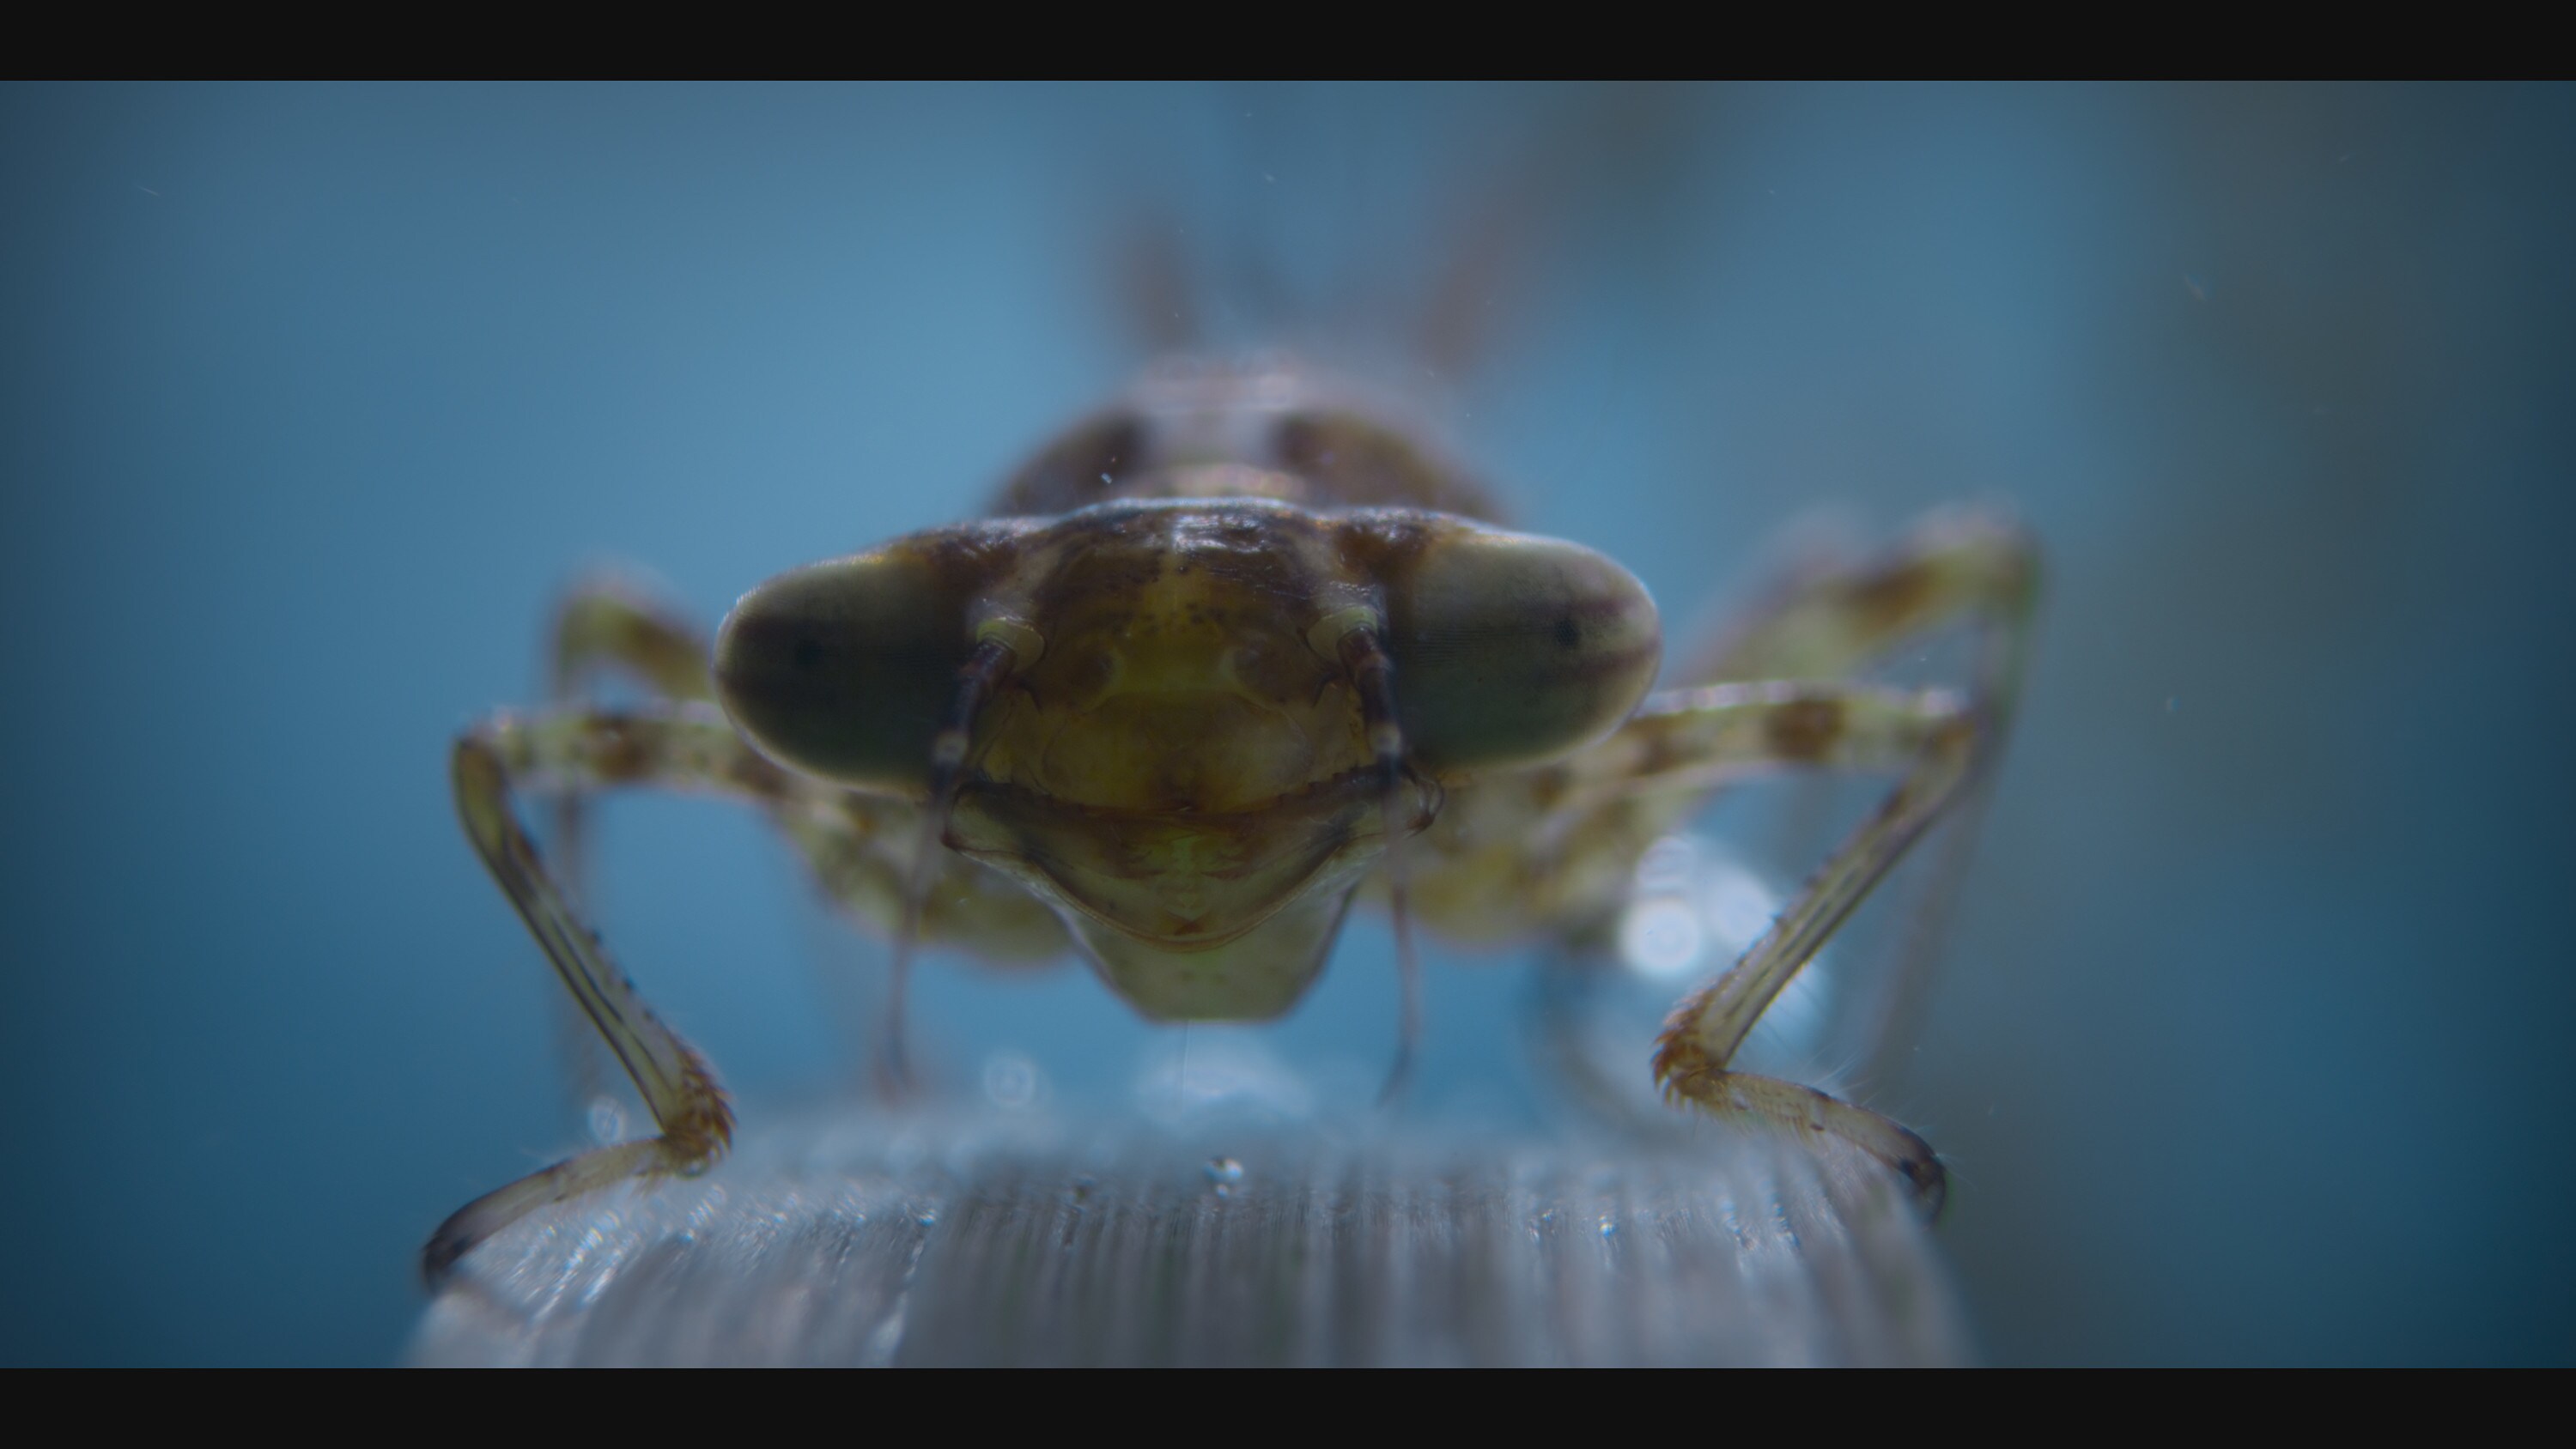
1609	1227
1011	1081
1224	1171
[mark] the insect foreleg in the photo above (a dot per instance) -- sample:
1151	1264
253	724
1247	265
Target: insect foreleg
608	623
1956	567
1683	740
858	847
688	746
567	751
861	855
1935	738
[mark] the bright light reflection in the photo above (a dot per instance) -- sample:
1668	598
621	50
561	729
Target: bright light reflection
1661	938
1205	1068
607	1119
1694	911
1737	907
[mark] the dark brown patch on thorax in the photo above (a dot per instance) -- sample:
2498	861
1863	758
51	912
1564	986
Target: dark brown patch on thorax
1079	469
1215	431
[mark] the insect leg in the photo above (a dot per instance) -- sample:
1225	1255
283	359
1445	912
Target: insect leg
608	623
856	845
1956	566
860	851
1688	739
1952	566
692	747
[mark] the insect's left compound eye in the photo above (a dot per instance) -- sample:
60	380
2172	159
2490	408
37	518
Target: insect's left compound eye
1510	649
846	669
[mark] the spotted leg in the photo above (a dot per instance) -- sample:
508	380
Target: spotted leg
1595	812
611	625
1687	738
1498	874
608	624
1957	566
858	846
678	1089
1552	850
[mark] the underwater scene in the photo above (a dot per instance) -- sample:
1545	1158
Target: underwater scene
2222	989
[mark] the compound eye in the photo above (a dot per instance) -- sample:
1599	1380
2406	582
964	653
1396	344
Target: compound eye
1511	649
846	669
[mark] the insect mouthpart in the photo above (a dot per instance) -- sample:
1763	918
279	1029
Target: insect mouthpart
1182	773
1190	916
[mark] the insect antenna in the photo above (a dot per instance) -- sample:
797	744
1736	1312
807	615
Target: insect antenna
975	680
1372	674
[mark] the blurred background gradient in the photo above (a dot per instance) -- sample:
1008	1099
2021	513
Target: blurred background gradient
2250	1040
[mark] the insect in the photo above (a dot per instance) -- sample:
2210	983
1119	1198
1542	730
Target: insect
1218	657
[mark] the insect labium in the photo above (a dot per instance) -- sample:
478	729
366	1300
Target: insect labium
1219	656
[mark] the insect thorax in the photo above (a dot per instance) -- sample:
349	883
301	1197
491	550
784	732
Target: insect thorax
1261	429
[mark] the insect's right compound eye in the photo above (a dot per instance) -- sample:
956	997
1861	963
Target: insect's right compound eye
1511	649
846	669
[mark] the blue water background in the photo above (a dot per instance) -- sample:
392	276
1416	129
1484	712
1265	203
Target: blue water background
2251	1041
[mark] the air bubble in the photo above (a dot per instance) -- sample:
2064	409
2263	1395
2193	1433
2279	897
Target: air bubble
1012	1081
